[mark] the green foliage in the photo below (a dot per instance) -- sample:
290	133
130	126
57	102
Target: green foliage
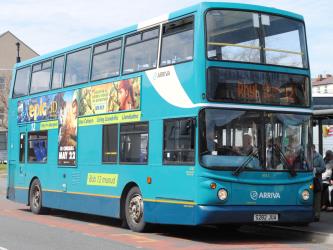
3	167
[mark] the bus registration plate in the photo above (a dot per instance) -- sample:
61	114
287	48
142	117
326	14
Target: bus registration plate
266	217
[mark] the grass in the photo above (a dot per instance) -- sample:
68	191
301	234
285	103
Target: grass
3	167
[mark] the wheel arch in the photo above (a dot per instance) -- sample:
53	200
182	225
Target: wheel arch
124	193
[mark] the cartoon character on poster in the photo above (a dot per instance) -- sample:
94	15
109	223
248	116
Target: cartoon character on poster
67	138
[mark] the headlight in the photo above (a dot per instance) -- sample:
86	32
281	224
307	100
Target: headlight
222	194
305	195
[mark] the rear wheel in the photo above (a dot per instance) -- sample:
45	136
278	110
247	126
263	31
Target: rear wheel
35	197
134	210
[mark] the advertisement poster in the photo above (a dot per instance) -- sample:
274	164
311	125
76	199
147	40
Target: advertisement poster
67	133
66	107
101	99
38	109
110	97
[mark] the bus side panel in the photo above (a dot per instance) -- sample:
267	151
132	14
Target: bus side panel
90	204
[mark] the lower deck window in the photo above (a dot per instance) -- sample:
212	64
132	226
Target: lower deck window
37	147
110	143
179	141
22	148
134	143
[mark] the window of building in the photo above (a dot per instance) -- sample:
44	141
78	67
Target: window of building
3	140
58	72
177	42
77	67
325	89
37	147
2	82
134	143
22	79
40	78
106	60
318	90
110	143
141	51
179	141
22	148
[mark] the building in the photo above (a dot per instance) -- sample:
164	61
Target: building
322	92
8	55
322	84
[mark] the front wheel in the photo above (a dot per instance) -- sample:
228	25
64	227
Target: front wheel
134	210
35	197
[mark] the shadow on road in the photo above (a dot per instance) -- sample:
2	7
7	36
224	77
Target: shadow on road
227	234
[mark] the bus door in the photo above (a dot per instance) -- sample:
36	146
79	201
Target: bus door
22	145
17	151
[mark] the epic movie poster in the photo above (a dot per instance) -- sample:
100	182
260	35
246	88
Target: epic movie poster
67	106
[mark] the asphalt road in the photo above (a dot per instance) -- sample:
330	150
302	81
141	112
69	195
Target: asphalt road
20	229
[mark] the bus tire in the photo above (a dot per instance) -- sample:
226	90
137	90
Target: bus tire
134	210
35	197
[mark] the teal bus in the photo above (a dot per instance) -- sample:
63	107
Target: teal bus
201	116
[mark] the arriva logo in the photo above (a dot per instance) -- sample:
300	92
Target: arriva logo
161	74
264	195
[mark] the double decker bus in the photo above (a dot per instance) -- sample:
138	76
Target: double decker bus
201	116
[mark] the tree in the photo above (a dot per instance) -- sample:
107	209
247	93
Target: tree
5	76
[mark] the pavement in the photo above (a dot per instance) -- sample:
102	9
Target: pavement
324	226
323	229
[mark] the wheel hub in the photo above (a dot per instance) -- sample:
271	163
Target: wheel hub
36	196
136	208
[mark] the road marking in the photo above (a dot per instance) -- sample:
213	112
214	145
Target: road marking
2	248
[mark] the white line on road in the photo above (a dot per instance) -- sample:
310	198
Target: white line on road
2	248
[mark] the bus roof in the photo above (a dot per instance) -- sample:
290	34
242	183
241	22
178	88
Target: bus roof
203	6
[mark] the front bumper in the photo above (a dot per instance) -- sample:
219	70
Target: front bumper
245	214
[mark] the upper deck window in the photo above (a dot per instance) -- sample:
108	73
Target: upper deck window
247	86
254	37
177	42
77	67
58	72
40	78
22	82
106	60
141	51
284	41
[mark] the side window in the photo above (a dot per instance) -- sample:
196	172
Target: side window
134	143
141	51
3	139
106	60
2	82
177	42
77	67
22	79
40	78
58	72
22	148
110	143
37	147
179	141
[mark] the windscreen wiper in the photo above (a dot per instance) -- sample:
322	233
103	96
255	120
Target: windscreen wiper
246	162
285	161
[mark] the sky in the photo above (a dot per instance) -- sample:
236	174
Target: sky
48	25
